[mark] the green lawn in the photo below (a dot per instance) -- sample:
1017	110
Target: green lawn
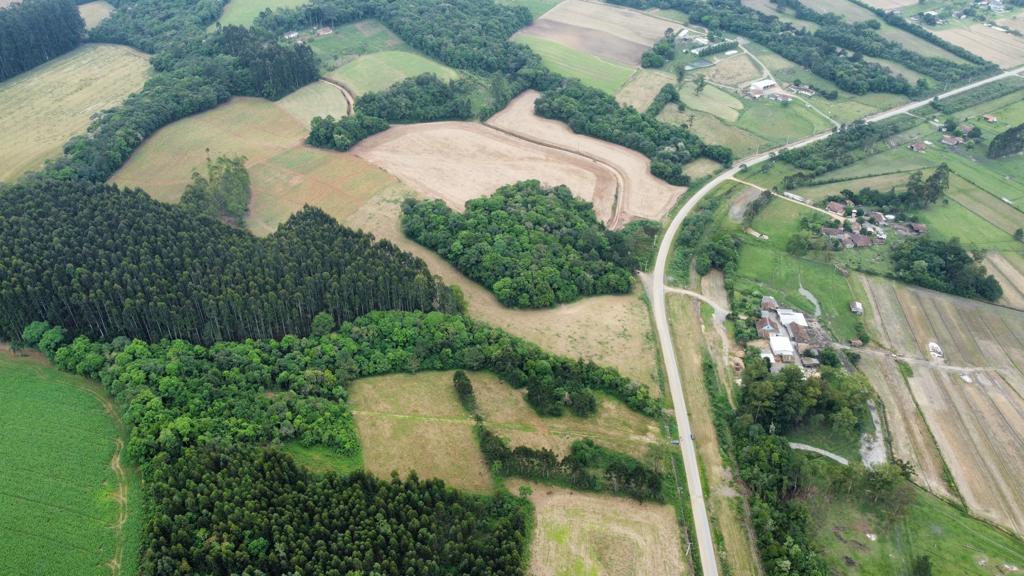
592	71
352	40
957	544
948	220
374	72
244	12
780	124
537	7
320	459
57	506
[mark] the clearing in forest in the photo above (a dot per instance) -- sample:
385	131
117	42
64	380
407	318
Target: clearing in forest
378	71
285	173
64	487
46	106
607	32
350	41
973	398
598	535
95	12
425	156
244	12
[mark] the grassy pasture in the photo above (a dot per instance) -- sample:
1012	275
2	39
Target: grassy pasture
778	123
590	70
94	12
59	504
536	7
244	12
956	543
285	174
46	106
316	99
713	130
712	100
643	87
352	40
377	71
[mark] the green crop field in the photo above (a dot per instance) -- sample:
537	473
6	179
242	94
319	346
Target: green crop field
374	72
244	12
59	504
352	40
46	106
591	70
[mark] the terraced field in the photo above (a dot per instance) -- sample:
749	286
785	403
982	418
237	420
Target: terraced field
973	399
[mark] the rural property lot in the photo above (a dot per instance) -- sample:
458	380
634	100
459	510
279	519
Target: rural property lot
1002	48
608	32
597	535
973	400
46	106
645	197
62	483
427	156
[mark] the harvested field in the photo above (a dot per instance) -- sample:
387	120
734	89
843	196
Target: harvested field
736	70
911	438
46	106
597	535
427	156
724	501
973	400
1002	48
285	174
612	331
94	12
643	87
413	422
602	30
645	197
1010	277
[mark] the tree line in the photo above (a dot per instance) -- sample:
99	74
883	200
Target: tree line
1007	143
533	247
863	38
920	193
592	112
116	263
36	31
842	148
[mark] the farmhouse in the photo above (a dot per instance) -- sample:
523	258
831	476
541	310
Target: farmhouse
918	146
767	327
951	140
857	308
762	85
836	208
769	303
965	128
990	118
291	36
787	317
782	347
781	97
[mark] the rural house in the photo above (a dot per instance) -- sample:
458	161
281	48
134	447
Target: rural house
951	140
918	146
836	208
857	308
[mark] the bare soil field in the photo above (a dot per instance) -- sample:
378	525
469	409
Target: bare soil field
1010	278
612	331
645	197
286	174
725	503
596	535
737	70
46	106
973	399
643	87
428	157
412	422
1002	48
608	32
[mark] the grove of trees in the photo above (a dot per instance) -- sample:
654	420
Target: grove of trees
224	192
114	262
534	247
920	193
1007	143
37	31
946	267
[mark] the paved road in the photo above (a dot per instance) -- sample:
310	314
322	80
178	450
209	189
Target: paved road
702	527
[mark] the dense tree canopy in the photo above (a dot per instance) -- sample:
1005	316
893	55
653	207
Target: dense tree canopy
920	193
424	98
532	246
36	31
1007	143
224	192
944	266
345	132
116	263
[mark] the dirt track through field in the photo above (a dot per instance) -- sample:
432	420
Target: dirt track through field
972	400
643	196
350	100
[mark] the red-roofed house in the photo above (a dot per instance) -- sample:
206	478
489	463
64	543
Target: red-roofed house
836	208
